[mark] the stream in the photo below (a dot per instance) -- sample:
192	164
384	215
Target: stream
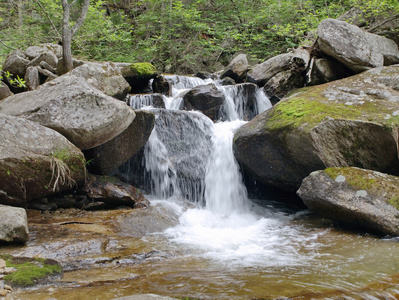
202	237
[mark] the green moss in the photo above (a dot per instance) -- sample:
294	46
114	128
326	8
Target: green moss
29	270
382	185
142	69
308	107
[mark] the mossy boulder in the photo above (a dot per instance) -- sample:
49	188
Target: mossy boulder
350	122
30	271
138	75
358	198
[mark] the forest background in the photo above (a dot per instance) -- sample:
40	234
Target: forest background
182	36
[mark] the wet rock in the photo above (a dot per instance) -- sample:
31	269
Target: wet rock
35	161
162	86
127	144
354	197
13	225
114	192
138	75
71	106
205	98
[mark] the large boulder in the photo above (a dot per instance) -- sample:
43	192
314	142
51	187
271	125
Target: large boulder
356	49
110	155
237	68
261	73
13	225
35	161
205	98
71	106
324	70
348	122
355	197
105	76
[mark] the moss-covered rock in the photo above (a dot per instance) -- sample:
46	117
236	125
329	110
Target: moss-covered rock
355	197
350	122
138	75
30	271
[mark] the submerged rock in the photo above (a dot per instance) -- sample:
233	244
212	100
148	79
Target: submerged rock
354	197
350	122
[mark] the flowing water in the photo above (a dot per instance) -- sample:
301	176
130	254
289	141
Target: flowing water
215	243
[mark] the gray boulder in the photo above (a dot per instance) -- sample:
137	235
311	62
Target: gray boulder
13	225
237	68
32	79
205	98
110	155
348	122
71	106
16	63
34	51
106	77
354	197
350	45
324	70
48	57
261	73
4	91
35	161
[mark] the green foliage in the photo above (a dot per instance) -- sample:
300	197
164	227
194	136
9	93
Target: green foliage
180	35
29	271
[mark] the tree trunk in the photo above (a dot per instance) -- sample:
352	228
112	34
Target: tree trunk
67	32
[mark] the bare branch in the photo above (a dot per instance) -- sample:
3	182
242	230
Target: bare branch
81	19
1	42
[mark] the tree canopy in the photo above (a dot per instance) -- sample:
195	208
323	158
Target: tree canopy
179	35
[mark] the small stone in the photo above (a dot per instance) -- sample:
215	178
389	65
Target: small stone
3	292
8	288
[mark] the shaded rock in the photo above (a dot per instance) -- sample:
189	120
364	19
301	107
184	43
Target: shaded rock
16	63
13	225
282	83
325	70
46	75
114	192
162	86
34	51
205	98
354	197
348	122
47	57
4	91
47	67
350	45
32	79
261	73
110	155
138	75
71	106
35	161
227	81
300	60
106	77
204	75
139	101
237	68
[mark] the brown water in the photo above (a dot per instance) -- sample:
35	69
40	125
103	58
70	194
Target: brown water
117	253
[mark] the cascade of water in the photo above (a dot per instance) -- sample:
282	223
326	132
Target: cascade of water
140	100
184	82
225	192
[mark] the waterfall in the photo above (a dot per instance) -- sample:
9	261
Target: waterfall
139	101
